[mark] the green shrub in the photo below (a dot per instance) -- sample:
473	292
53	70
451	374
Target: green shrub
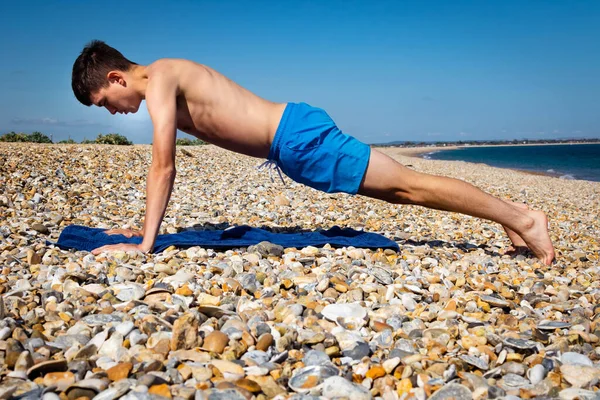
112	138
13	137
35	137
39	137
189	142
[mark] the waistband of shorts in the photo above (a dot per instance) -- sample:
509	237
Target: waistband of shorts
280	133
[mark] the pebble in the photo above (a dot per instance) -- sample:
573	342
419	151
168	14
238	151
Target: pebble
536	374
452	391
264	341
571	358
580	376
337	386
216	342
520	344
475	361
577	394
316	357
185	333
230	370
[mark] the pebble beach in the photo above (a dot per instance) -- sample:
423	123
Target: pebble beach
453	315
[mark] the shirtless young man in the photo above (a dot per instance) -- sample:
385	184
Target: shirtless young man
303	141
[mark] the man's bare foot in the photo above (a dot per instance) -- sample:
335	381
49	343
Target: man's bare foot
516	240
537	238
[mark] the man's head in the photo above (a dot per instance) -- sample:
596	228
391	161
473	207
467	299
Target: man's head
103	76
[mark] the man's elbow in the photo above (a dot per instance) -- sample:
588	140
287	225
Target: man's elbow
163	169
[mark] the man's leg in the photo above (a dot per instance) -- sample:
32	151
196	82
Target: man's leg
388	180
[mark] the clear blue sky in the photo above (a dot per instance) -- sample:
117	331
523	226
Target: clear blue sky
384	70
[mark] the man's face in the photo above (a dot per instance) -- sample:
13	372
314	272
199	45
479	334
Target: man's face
118	96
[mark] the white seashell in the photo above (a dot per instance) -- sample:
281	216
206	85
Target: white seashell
113	347
136	337
352	310
105	362
129	291
298	381
99	339
124	328
408	302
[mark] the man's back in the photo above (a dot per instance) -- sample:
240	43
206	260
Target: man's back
215	109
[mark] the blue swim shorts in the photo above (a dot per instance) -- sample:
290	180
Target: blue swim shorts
312	150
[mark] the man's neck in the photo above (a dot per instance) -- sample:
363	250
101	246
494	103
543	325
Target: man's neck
140	79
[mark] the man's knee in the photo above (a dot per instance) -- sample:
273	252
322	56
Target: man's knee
389	180
396	191
406	195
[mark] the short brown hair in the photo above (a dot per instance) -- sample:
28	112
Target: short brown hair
89	70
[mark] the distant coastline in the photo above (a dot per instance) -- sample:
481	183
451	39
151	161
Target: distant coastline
420	151
423	152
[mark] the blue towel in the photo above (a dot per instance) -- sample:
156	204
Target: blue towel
84	238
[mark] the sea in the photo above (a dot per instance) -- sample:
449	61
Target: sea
566	161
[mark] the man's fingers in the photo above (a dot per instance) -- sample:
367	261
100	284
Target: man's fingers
125	232
116	247
108	247
98	250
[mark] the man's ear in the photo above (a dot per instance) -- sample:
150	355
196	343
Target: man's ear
116	77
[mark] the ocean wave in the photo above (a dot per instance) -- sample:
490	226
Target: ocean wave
551	171
427	156
567	176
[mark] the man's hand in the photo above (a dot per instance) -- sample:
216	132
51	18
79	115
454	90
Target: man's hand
121	246
128	233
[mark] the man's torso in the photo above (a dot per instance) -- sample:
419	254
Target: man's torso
215	109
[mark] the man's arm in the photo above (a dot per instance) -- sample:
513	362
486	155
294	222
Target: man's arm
161	100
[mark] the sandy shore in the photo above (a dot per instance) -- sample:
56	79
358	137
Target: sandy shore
414	151
453	314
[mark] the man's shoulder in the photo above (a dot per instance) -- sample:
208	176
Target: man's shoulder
170	64
173	68
162	66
